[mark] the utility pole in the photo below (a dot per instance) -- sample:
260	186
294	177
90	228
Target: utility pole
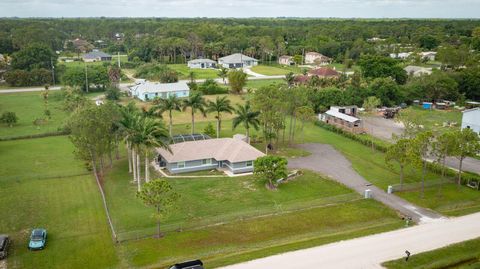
303	56
86	77
53	72
119	67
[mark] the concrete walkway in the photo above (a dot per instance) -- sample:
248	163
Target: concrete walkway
328	161
370	251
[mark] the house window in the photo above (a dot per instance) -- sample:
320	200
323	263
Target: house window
207	161
249	163
181	165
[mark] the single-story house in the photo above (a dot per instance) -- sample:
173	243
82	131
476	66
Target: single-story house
338	117
202	63
324	72
230	154
79	44
428	55
237	60
471	119
417	71
150	90
286	60
97	56
316	58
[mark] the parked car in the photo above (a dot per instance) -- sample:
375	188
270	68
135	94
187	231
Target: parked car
4	242
38	239
196	264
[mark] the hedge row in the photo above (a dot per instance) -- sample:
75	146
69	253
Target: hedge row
433	167
48	134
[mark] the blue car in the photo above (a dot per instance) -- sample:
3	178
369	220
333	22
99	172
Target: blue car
38	239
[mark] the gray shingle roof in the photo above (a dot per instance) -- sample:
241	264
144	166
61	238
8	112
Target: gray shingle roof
96	54
236	58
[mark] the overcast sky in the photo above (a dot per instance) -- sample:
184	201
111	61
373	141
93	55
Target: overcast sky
242	8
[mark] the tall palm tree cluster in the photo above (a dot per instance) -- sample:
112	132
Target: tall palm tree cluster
141	134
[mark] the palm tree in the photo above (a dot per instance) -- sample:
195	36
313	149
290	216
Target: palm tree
195	102
290	79
169	104
150	133
223	73
221	104
247	118
126	127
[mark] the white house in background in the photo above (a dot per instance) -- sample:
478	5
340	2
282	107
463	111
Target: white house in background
401	55
417	71
202	63
237	60
428	55
286	60
471	119
150	90
97	56
316	58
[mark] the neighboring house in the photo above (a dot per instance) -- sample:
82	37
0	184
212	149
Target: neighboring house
237	60
343	117
428	55
228	154
316	58
79	45
97	56
471	119
324	72
401	55
202	63
417	71
150	90
286	60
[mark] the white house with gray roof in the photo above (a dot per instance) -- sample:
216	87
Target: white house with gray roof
231	154
202	63
96	56
148	90
237	60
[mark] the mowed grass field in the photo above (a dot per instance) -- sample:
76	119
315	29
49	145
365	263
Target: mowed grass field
371	165
464	255
226	220
184	72
272	70
28	107
434	119
43	185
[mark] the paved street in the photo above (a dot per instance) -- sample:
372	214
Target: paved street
328	161
370	251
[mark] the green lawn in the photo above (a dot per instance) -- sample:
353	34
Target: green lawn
254	238
184	71
43	186
371	165
272	70
28	107
433	119
462	255
258	83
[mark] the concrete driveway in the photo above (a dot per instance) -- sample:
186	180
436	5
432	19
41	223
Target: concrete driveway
328	161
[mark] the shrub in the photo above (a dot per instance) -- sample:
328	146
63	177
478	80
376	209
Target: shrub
152	71
209	130
113	93
36	77
9	118
210	86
